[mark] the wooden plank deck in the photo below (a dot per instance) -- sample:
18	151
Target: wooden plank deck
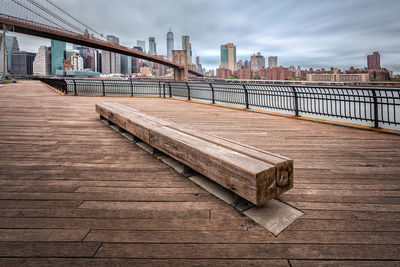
74	192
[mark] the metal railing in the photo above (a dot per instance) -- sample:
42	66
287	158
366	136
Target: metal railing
379	106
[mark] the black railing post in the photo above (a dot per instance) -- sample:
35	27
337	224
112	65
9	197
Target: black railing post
246	96
65	87
188	90
74	87
104	87
131	86
170	91
375	107
296	102
164	90
212	93
159	89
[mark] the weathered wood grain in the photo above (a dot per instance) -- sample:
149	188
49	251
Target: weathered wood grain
239	168
63	136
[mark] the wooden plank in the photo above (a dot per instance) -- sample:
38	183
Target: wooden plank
42	234
237	224
104	213
140	262
354	263
237	237
48	249
249	251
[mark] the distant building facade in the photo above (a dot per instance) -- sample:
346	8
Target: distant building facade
336	76
170	44
126	65
11	47
22	63
228	57
223	73
272	61
275	73
42	62
142	44
152	46
110	61
374	61
247	74
198	65
257	62
186	45
58	49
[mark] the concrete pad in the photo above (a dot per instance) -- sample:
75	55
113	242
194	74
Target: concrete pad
174	164
128	136
145	147
275	216
214	188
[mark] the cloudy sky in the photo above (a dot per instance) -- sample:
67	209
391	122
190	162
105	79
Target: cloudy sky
308	33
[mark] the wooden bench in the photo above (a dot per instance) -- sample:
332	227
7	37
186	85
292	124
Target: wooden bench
251	173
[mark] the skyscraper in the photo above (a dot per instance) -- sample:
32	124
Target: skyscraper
111	62
257	62
228	56
142	44
374	61
170	44
41	63
272	61
57	55
152	46
126	65
11	47
22	63
186	45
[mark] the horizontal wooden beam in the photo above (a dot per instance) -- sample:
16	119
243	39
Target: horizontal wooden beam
253	174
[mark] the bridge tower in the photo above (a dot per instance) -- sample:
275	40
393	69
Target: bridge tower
180	57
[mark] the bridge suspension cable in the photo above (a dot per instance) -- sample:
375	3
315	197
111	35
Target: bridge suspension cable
100	34
46	12
34	12
55	15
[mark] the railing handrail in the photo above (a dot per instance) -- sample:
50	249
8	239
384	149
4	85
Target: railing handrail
376	105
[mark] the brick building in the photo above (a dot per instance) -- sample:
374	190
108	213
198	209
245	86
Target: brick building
246	74
223	73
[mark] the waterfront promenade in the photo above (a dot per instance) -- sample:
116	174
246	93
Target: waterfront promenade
73	191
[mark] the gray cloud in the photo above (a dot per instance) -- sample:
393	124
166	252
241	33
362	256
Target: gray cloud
309	33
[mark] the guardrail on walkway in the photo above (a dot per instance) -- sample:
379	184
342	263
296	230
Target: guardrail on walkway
372	104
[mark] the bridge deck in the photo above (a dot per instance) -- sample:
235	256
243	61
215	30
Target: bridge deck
73	191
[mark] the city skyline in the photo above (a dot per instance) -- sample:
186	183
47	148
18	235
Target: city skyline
310	34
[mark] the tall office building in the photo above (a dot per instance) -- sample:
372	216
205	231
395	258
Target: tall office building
170	44
83	52
42	63
3	60
22	63
272	62
257	62
228	56
152	46
374	61
110	61
57	55
186	45
126	65
141	44
11	47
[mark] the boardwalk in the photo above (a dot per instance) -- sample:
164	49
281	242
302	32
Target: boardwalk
73	191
